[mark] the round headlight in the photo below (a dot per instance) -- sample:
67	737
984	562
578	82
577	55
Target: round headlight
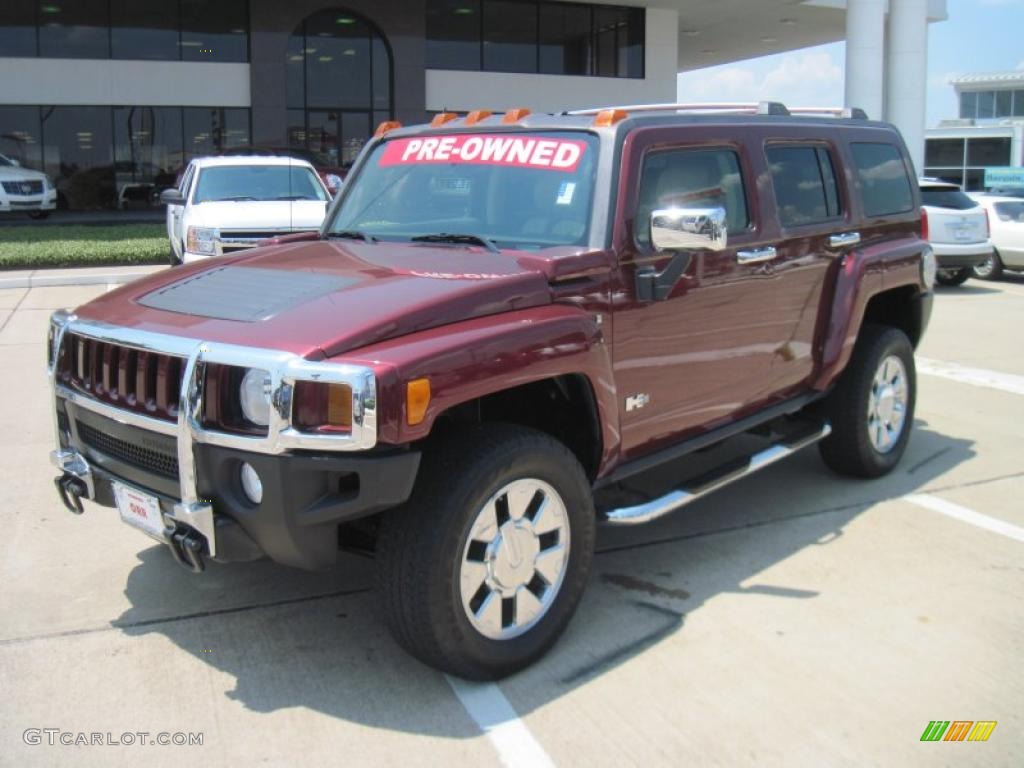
251	483
254	395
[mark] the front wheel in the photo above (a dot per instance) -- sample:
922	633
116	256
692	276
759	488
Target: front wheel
482	569
39	215
872	407
952	276
990	269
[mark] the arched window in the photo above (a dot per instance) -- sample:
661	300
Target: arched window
339	85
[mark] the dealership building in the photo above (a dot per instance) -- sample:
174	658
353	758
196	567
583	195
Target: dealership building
112	97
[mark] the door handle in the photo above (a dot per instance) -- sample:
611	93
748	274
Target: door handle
844	240
756	256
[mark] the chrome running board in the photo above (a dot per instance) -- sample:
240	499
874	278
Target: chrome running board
715	479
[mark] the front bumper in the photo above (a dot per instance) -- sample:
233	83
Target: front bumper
311	483
47	201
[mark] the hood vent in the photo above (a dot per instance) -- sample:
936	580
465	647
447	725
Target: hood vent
246	294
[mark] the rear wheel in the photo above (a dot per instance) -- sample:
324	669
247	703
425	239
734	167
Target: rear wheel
483	568
872	407
990	269
952	276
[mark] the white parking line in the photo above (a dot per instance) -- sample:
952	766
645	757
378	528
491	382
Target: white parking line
489	708
979	377
948	508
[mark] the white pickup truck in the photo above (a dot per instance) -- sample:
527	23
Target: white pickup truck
225	204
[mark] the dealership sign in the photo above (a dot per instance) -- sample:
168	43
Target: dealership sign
1004	177
490	149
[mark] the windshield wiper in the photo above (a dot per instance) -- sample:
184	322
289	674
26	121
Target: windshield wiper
294	197
450	237
352	234
236	199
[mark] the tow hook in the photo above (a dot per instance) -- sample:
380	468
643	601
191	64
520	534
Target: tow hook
187	546
71	490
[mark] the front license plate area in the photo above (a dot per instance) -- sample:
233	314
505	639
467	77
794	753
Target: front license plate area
140	510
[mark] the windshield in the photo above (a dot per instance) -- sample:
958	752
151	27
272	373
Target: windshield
1010	211
257	182
523	191
4	160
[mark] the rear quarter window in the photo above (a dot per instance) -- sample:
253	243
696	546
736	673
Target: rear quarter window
946	198
884	182
804	181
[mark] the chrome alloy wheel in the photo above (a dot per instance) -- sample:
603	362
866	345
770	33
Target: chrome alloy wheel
887	404
515	559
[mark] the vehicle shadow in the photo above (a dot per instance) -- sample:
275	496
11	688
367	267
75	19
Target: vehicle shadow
295	639
970	288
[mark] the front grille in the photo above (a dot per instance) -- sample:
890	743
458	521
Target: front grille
144	382
147	459
26	187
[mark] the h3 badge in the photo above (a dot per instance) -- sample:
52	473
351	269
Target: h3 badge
637	401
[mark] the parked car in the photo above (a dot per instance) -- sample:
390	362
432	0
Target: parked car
1006	218
1003	192
507	323
226	204
25	190
957	228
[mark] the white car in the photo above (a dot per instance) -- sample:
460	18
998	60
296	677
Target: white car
225	204
25	190
1006	220
957	229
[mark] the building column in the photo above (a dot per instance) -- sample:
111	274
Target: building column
865	44
906	68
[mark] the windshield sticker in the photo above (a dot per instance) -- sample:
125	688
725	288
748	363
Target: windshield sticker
565	193
514	151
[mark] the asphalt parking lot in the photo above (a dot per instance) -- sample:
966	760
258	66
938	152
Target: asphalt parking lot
795	618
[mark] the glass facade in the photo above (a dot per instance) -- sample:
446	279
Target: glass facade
991	104
963	160
529	37
163	30
116	157
338	70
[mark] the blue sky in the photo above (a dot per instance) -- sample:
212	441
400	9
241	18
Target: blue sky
979	36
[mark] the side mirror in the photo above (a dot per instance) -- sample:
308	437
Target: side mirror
15	163
172	197
690	229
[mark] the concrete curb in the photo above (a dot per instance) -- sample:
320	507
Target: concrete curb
37	278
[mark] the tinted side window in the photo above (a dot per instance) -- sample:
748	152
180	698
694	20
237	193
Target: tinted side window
691	178
883	179
804	183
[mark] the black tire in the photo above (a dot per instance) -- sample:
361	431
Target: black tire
420	548
990	269
849	450
172	257
952	276
39	215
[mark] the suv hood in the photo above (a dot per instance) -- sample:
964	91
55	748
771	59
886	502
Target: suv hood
17	172
324	297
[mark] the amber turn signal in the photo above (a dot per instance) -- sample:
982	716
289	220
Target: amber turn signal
417	398
386	127
609	117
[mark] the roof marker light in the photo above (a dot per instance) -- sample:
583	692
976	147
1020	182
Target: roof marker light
386	127
515	115
441	118
477	116
606	118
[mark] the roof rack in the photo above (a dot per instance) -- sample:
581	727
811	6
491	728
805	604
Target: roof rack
743	108
752	108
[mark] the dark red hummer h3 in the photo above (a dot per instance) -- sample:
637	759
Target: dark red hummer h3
507	323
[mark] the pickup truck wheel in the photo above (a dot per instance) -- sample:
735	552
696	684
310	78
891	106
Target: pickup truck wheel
872	408
172	257
481	571
990	269
952	276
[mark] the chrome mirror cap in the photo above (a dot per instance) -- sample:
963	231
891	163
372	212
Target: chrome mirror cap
690	229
